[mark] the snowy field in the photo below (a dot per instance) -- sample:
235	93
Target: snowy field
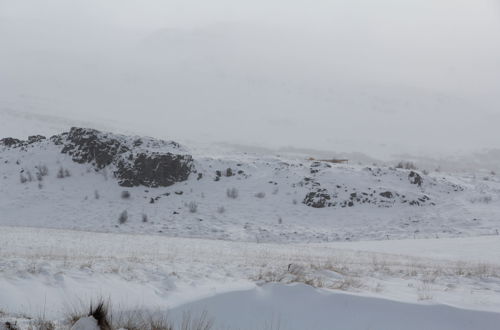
261	258
52	272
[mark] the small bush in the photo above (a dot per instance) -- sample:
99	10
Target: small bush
125	194
406	165
260	195
193	207
62	173
100	313
41	324
482	199
41	171
123	217
232	193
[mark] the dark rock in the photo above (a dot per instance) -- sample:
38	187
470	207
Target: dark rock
35	138
415	178
91	146
387	194
10	142
317	199
154	170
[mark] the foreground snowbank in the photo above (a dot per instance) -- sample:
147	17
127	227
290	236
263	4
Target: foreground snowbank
299	307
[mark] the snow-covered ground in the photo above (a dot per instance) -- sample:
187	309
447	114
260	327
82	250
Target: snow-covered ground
50	272
366	201
386	242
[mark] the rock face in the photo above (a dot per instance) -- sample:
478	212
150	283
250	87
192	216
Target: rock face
136	161
91	146
155	170
10	142
14	143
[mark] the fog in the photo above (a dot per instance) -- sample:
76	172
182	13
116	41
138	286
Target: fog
380	77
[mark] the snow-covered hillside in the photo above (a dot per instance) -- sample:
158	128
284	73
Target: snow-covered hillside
229	211
86	179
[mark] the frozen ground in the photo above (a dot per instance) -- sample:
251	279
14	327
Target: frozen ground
50	272
384	263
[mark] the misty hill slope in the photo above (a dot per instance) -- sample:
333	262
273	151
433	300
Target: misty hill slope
86	179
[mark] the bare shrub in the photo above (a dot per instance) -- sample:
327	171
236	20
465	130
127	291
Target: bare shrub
125	194
62	173
221	209
406	165
232	193
22	178
140	319
41	171
260	194
201	322
100	313
123	217
144	217
193	207
135	320
9	325
482	199
42	324
347	283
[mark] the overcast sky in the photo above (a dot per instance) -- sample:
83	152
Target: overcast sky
377	76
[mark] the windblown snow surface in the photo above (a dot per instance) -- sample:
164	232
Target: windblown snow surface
258	241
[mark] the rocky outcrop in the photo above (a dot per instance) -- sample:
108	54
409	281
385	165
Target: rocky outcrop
10	142
154	170
318	199
92	146
14	143
415	178
136	161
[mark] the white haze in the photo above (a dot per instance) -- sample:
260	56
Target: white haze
380	77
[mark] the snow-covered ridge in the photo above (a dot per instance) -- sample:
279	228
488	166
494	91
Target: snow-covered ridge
136	160
237	196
